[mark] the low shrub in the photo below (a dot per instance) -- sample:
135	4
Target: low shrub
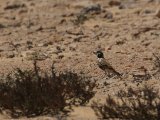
142	104
32	92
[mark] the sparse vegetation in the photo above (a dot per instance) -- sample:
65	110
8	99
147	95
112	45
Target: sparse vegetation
156	66
86	13
142	104
32	93
80	19
68	31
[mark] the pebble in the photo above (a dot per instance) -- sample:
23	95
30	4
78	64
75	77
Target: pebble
45	44
10	55
114	3
108	15
158	13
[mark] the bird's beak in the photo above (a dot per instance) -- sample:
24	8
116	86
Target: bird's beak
94	52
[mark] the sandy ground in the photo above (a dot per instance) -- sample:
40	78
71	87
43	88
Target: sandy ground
126	30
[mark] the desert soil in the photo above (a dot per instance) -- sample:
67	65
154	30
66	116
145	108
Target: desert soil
128	32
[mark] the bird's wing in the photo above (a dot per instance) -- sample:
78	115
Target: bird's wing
104	65
103	62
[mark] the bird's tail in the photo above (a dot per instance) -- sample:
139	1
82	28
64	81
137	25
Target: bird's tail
117	73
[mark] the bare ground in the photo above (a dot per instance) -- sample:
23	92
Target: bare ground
126	30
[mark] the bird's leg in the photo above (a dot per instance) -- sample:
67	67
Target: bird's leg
110	75
107	75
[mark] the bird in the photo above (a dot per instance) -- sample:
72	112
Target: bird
105	66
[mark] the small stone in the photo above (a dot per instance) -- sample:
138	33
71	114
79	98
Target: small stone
73	47
90	9
149	1
7	47
146	11
2	26
29	44
14	6
48	43
10	55
114	3
55	50
120	42
106	84
27	53
33	55
60	56
122	6
158	13
40	28
108	15
63	21
45	44
40	45
77	39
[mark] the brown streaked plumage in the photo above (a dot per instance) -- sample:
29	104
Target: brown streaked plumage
106	67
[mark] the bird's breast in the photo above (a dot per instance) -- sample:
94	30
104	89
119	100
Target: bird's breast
101	61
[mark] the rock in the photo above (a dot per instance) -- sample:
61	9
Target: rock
114	3
1	50
63	21
146	11
108	15
27	53
48	43
59	48
120	42
83	15
122	6
158	13
29	44
55	50
45	44
10	55
81	18
40	45
141	74
150	1
73	47
60	56
2	26
23	11
91	9
39	28
41	56
33	55
14	6
7	47
17	45
78	39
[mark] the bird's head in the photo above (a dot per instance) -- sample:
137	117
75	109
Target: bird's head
99	54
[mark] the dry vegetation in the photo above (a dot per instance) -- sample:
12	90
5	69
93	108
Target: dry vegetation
141	104
31	93
133	104
67	32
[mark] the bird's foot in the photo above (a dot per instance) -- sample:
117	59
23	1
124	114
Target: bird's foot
107	78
